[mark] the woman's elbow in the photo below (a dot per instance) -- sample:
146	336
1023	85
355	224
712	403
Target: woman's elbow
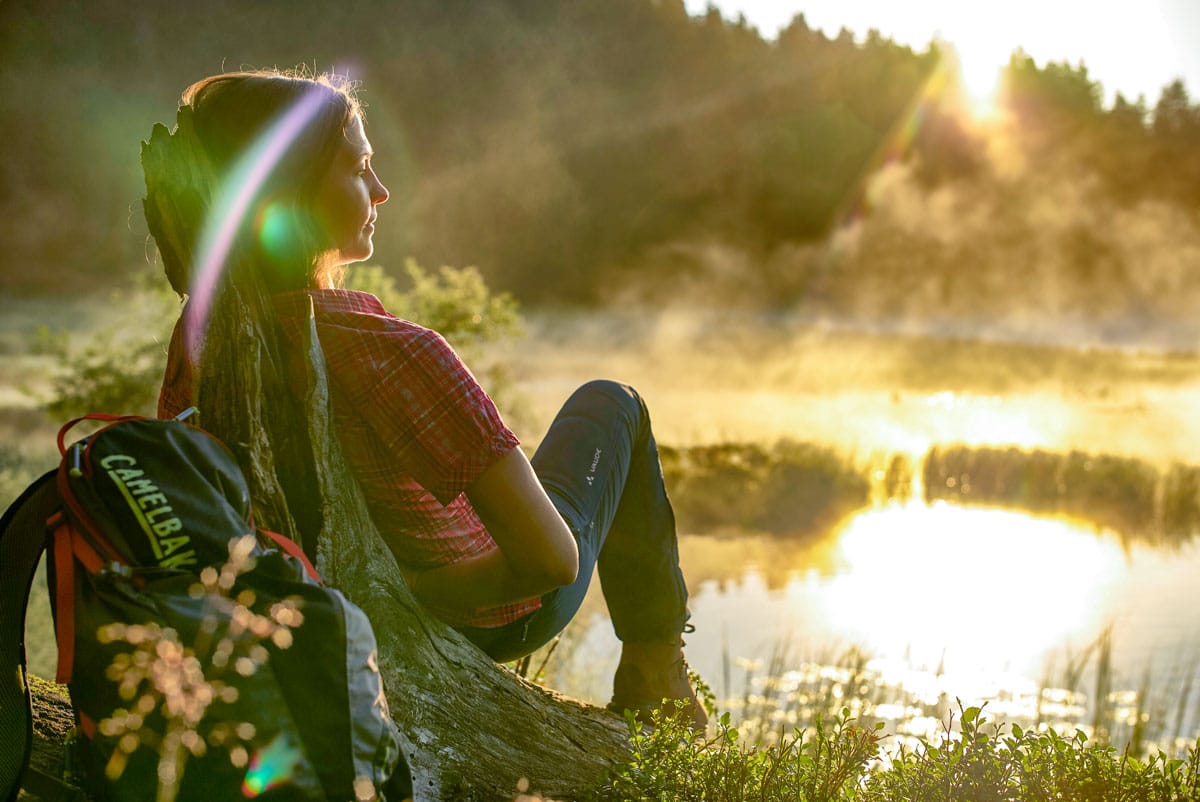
558	563
571	572
564	568
558	556
548	573
550	564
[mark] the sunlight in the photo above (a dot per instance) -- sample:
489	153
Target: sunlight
981	76
975	58
988	420
974	589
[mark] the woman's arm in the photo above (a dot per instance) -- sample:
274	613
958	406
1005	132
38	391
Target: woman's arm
536	553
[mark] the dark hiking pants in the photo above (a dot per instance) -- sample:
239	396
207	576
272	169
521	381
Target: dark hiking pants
599	465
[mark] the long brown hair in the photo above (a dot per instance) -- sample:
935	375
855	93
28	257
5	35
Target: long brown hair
230	112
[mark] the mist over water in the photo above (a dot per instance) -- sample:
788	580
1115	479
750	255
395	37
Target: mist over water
1030	247
722	376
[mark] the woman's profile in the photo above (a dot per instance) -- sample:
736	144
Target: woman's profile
498	545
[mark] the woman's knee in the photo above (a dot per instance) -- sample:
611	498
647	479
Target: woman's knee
601	390
608	387
605	394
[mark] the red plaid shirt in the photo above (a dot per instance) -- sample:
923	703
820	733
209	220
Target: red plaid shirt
415	426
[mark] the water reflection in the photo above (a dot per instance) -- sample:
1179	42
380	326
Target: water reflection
906	607
974	589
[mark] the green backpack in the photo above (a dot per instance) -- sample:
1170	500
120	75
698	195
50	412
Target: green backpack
204	658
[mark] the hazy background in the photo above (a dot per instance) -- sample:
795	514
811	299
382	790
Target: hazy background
617	152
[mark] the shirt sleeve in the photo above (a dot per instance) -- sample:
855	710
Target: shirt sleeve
423	403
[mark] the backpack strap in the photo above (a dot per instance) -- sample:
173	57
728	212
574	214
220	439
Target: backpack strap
64	599
289	546
68	546
22	541
96	416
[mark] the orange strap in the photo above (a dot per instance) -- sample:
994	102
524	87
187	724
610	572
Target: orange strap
96	416
85	553
85	519
69	546
291	548
64	602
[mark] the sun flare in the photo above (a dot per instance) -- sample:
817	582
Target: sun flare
980	75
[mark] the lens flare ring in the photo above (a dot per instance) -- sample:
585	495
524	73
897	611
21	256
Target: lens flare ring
233	201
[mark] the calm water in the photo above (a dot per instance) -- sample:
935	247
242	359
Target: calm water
941	602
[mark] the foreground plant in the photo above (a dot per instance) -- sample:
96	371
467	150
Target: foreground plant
980	761
983	761
668	764
172	688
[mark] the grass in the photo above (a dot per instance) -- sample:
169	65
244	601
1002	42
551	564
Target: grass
833	728
838	727
667	764
1154	711
837	760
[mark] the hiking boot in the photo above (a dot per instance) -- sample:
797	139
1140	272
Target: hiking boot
652	676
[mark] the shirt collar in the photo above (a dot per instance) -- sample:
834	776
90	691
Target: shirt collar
328	301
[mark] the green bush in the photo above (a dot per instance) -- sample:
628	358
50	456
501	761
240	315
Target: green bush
455	302
788	488
119	368
668	764
1129	495
984	762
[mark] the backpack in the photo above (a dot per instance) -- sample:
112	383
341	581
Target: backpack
204	658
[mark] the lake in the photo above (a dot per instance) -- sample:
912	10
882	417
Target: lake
914	605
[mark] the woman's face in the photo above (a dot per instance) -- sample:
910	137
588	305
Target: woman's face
347	197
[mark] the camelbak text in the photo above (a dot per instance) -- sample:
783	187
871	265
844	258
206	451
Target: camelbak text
152	510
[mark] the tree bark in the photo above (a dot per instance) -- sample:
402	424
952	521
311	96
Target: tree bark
472	729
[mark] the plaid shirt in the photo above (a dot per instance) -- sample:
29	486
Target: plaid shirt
415	426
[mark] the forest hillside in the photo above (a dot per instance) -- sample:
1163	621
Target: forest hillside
620	151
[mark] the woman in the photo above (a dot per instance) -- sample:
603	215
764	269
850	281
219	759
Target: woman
499	546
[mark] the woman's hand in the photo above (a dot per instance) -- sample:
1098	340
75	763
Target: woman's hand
536	553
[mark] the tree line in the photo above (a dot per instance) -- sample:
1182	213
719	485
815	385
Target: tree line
576	152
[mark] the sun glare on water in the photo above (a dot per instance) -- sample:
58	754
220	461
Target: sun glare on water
973	588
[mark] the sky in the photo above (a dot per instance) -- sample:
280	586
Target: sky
1130	46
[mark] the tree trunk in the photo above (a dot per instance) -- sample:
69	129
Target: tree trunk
472	729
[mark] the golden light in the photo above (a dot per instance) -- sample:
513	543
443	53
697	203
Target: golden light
975	64
980	75
970	586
